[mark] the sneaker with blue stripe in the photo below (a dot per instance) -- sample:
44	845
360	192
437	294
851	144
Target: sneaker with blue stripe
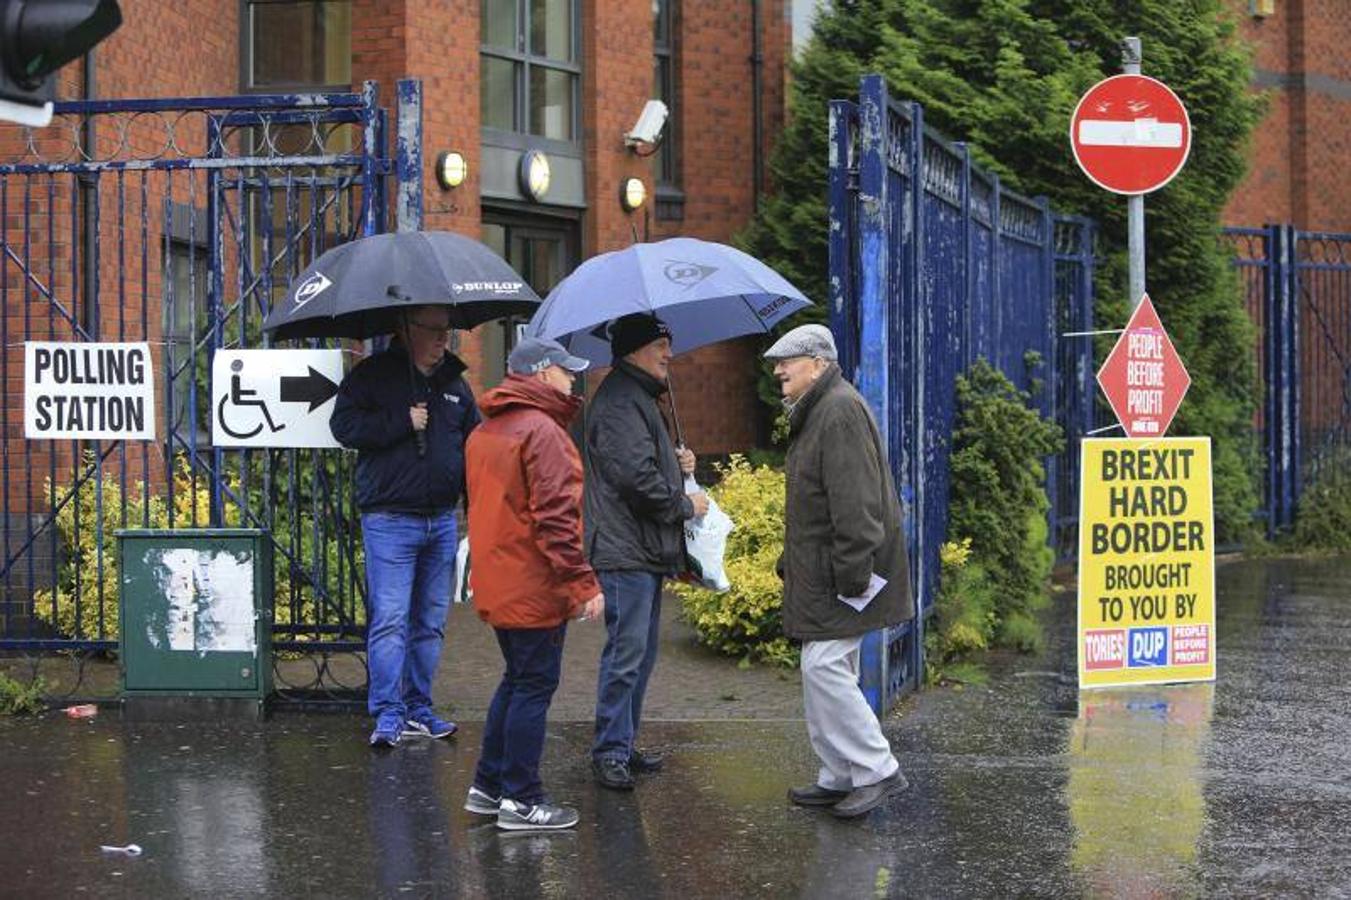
387	733
427	724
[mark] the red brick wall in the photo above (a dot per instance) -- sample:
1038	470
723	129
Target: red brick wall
437	41
145	57
1299	151
441	49
715	105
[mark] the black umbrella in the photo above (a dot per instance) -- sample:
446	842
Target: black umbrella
359	289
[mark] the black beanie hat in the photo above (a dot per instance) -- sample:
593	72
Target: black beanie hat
629	333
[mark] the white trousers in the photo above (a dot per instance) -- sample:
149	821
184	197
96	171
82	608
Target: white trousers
844	732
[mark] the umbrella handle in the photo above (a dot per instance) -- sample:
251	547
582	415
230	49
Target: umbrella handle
675	414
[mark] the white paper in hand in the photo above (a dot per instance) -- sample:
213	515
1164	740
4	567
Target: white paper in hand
875	585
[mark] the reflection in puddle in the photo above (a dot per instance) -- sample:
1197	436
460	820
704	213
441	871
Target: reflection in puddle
1134	791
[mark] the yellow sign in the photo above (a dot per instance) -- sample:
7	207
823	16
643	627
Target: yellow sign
1146	562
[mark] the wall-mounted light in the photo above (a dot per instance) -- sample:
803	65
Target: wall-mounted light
535	174
632	193
451	169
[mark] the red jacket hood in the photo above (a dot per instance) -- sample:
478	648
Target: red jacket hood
521	390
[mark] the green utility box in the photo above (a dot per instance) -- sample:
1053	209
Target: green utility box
196	611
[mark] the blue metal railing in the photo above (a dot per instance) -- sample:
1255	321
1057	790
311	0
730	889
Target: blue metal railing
1297	287
933	264
177	222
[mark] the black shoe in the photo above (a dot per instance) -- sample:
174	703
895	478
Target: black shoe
865	799
641	763
613	774
815	795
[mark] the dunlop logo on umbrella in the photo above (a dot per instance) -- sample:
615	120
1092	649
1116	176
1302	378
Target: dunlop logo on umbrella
311	287
487	287
687	274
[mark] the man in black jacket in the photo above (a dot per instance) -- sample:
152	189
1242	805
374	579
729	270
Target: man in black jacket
636	507
407	412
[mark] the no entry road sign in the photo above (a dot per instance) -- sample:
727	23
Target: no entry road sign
1130	134
1144	378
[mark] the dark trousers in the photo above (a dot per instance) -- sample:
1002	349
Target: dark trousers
632	620
513	736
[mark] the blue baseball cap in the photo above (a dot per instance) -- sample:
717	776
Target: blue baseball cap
534	354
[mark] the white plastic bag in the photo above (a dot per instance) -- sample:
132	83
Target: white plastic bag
463	593
705	541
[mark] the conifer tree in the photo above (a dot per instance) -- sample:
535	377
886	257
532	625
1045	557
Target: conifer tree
1004	76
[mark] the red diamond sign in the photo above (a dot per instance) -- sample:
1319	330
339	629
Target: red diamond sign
1143	377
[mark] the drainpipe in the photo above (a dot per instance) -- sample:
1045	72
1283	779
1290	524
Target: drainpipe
757	107
88	197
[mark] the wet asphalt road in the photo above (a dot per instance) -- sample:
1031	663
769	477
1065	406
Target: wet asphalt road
1025	788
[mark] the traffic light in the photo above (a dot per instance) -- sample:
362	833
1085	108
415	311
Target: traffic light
37	37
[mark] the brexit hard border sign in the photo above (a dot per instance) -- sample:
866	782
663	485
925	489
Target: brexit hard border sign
1146	562
1143	377
1130	134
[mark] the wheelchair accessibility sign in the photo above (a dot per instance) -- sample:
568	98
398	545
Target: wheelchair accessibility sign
274	398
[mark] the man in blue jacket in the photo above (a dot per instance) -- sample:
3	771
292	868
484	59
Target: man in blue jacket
407	412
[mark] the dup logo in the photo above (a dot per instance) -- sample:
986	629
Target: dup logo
1148	647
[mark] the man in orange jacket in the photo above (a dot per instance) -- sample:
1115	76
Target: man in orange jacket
529	573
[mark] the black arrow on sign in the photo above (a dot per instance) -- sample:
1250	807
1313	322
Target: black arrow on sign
314	388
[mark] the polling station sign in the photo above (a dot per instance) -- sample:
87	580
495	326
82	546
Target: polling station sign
1146	562
91	391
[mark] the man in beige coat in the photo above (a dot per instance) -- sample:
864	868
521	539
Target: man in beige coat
844	568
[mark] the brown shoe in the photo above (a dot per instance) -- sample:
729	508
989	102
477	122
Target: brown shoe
815	795
865	799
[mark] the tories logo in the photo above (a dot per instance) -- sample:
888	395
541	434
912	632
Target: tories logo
1105	649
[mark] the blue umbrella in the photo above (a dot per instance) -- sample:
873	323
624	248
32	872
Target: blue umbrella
359	289
706	292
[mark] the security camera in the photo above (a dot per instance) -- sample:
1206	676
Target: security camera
648	127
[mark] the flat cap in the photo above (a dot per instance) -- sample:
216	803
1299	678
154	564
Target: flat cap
804	340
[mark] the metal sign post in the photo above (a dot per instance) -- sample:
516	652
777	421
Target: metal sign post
1135	203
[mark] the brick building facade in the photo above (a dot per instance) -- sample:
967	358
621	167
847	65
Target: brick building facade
600	52
1299	152
603	52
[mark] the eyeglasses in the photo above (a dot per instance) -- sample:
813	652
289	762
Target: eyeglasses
441	332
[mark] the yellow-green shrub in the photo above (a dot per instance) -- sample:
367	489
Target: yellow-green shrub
77	526
965	618
747	620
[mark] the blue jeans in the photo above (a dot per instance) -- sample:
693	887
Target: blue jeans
632	619
513	735
410	560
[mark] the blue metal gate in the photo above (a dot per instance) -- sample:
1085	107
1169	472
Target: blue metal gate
177	222
932	265
1298	291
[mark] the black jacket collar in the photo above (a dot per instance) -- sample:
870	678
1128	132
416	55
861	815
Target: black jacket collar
647	382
